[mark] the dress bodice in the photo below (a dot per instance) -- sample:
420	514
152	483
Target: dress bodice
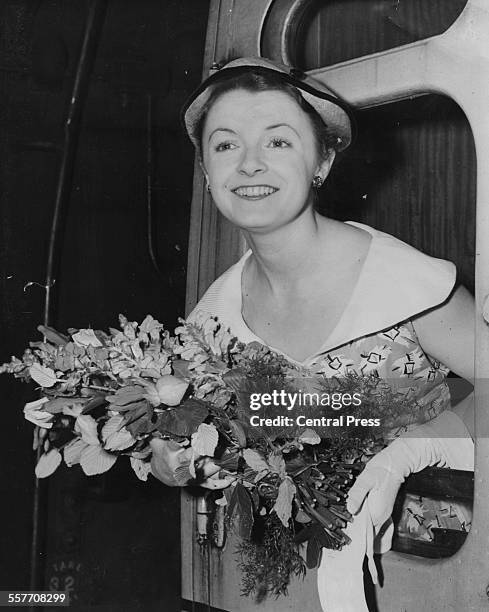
374	334
396	356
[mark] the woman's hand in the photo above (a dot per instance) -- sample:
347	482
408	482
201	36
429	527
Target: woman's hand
444	442
378	483
168	456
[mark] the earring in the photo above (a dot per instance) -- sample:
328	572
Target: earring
317	181
208	187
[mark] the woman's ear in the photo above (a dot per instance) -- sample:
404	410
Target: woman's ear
324	167
206	176
204	171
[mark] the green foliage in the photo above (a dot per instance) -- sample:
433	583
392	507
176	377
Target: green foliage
269	559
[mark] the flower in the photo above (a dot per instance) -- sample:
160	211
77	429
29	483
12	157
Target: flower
86	337
171	389
34	413
107	395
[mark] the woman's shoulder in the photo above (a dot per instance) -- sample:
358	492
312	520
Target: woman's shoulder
405	262
397	283
223	297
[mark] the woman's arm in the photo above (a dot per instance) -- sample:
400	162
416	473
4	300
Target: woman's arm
447	332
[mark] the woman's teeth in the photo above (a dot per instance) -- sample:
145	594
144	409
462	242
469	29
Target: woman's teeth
257	191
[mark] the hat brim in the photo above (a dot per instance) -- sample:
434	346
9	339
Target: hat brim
336	114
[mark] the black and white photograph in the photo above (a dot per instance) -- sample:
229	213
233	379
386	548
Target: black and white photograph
244	324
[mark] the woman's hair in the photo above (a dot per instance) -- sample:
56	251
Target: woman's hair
256	83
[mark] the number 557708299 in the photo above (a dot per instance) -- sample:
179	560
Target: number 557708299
33	598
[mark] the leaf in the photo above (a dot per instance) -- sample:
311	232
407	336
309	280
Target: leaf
255	460
131	408
144	453
86	337
100	355
119	440
52	335
112	425
151	326
304	534
283	504
48	463
127	395
171	389
302	517
184	420
309	436
115	435
315	531
238	432
151	394
95	402
136	349
95	460
182	475
191	465
181	368
73	450
255	498
241	508
314	552
35	413
277	464
141	468
234	378
71	406
204	440
139	422
87	427
42	375
64	362
138	410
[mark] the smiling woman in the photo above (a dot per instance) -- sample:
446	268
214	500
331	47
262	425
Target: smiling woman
250	158
332	297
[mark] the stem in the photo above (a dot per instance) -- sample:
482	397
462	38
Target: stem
98	388
120	352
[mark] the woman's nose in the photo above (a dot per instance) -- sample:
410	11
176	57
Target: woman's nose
252	161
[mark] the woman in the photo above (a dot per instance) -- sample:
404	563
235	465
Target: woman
330	296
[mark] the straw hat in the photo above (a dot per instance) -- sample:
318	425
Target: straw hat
335	113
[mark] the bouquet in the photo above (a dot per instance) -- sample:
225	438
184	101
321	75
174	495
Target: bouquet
108	394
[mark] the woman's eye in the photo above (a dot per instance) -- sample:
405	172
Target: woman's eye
224	146
279	143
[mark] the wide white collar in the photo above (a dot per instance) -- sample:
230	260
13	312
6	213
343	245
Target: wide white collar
396	283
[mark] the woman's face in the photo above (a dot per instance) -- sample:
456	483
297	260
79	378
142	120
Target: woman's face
259	154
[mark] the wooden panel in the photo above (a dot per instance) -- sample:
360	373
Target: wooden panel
411	172
344	29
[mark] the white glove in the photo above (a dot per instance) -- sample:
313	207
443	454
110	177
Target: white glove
427	445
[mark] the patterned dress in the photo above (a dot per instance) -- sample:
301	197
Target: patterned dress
375	336
396	356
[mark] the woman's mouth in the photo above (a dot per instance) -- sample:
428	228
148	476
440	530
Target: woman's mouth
254	192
